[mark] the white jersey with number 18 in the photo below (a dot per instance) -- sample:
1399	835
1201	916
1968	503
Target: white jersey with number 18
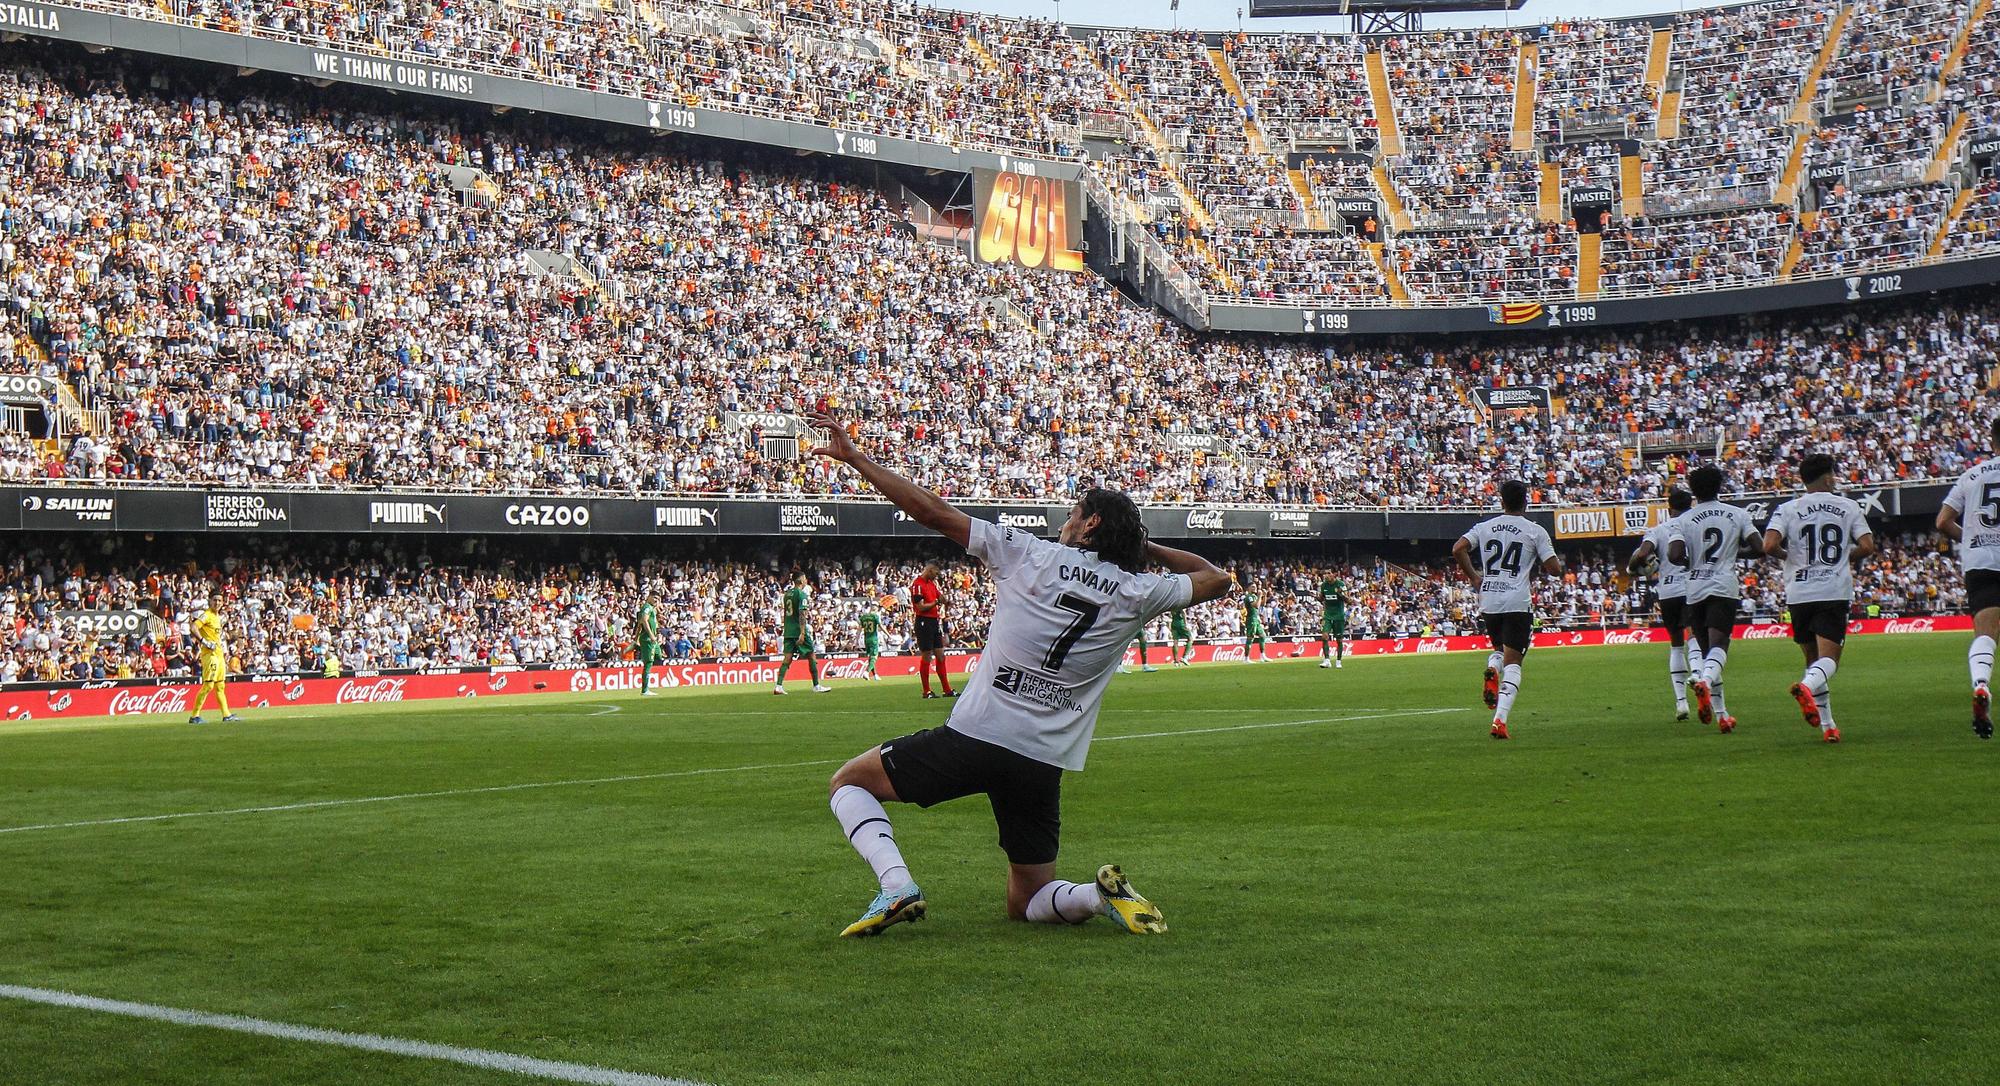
1507	549
1976	497
1061	622
1820	531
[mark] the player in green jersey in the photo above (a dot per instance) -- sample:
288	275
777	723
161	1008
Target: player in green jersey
646	642
1253	629
798	635
1143	664
871	640
1180	639
1332	621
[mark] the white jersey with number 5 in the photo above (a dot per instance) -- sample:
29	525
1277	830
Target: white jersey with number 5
1061	622
1507	549
1673	575
1820	531
1714	534
1976	497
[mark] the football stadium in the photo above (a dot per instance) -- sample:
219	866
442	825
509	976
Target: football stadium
741	542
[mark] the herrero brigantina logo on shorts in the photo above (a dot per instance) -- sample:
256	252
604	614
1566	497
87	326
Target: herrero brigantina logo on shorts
1031	687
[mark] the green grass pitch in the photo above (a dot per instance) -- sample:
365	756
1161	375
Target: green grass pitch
1611	897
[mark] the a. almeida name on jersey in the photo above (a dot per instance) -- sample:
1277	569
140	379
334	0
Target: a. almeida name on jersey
28	18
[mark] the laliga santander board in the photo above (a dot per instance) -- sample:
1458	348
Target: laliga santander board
70	700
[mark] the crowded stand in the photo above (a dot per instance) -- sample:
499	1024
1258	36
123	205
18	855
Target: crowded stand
1853	229
1177	86
1519	258
1881	147
1592	165
1276	263
1743	69
1304	87
402	341
1448	84
1892	45
1979	225
1331	178
1038	87
336	607
1667	254
1592	74
1472	180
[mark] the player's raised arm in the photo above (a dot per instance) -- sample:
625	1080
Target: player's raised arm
1210	581
924	507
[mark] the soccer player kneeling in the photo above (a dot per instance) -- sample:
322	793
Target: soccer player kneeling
1500	555
1063	614
1819	536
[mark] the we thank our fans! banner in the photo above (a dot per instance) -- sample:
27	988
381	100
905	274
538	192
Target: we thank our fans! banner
43	701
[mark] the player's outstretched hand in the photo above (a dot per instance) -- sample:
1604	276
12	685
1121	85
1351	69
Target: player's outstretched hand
838	445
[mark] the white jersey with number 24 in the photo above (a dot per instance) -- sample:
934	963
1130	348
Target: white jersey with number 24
1507	549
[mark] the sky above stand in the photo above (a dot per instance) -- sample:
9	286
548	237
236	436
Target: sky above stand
1221	14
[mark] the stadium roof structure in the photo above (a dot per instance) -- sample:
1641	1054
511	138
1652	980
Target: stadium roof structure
1376	16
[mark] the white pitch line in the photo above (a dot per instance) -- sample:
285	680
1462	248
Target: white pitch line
317	804
529	1066
1277	724
314	805
606	710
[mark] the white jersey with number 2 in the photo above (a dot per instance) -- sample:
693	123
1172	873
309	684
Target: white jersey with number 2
1507	549
1714	534
1061	622
1976	497
1820	531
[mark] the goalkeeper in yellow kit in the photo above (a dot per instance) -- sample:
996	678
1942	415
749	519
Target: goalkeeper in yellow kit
213	652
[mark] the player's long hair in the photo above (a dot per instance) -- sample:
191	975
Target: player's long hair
1120	537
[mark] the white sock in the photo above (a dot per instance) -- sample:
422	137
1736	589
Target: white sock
1065	903
1712	664
1819	674
1677	670
1494	660
1510	685
1980	659
1715	694
1825	699
867	827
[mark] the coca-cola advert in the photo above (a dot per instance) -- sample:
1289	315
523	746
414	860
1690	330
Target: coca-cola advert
48	701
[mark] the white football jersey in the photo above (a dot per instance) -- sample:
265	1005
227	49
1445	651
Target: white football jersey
1714	534
1820	531
1061	622
1976	496
1673	575
1507	549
